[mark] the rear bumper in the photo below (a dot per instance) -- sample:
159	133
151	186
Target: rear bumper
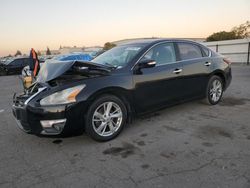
228	77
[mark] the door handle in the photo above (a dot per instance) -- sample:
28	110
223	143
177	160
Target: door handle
207	64
177	71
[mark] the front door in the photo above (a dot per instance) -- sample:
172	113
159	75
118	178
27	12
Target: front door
154	87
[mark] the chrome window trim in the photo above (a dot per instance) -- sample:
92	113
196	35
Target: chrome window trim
149	50
210	53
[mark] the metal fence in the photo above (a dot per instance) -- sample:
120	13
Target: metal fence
238	51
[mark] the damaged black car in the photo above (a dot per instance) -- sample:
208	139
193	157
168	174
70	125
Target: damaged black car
101	96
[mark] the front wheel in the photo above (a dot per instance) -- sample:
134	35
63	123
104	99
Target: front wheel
105	118
214	90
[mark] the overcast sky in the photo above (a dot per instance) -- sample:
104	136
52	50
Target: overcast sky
41	23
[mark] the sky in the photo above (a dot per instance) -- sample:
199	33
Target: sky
41	23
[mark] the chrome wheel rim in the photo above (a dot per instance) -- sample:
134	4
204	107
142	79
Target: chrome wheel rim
107	119
215	91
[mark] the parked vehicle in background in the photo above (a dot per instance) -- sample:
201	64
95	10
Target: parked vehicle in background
13	65
27	78
99	53
93	53
73	56
101	96
26	73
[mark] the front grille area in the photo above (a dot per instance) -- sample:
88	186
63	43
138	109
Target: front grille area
19	99
19	108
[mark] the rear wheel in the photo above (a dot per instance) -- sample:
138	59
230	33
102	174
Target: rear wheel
105	118
214	90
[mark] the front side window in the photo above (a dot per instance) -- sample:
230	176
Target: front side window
118	56
189	51
161	54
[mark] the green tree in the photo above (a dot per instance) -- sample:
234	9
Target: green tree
18	52
243	30
108	45
222	35
48	52
238	32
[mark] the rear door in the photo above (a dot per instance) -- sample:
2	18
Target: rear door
154	87
195	69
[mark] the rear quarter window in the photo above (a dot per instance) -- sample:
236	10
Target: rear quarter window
189	51
206	52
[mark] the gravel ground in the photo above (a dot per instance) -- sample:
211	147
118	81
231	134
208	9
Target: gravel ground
188	145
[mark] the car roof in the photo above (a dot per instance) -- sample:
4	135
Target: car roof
15	58
154	41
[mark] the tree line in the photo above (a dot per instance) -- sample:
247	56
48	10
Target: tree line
238	32
19	53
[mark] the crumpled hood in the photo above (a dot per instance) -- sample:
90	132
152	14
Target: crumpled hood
52	69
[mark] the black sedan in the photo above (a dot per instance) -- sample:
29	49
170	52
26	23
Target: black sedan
13	65
101	96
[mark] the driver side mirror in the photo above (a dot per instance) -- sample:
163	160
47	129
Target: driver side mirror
148	63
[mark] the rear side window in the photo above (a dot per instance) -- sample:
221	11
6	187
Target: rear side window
162	54
189	51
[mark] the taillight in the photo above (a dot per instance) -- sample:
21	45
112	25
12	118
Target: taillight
227	61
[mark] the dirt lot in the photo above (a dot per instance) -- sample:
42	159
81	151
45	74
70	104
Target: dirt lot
189	145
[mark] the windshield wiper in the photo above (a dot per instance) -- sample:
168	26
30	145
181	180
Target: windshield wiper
111	65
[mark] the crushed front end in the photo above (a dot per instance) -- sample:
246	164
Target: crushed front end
44	120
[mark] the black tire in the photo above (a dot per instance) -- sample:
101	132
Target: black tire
4	73
89	127
209	99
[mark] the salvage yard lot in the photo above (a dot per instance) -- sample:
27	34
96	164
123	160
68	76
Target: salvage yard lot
188	145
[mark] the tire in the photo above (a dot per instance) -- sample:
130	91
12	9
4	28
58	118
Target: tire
4	73
104	125
214	90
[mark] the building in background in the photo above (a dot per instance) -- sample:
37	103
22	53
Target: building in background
68	50
237	51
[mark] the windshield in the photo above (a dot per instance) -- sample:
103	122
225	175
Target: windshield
118	56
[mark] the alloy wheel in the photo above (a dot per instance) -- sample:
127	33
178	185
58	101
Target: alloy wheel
215	91
107	119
